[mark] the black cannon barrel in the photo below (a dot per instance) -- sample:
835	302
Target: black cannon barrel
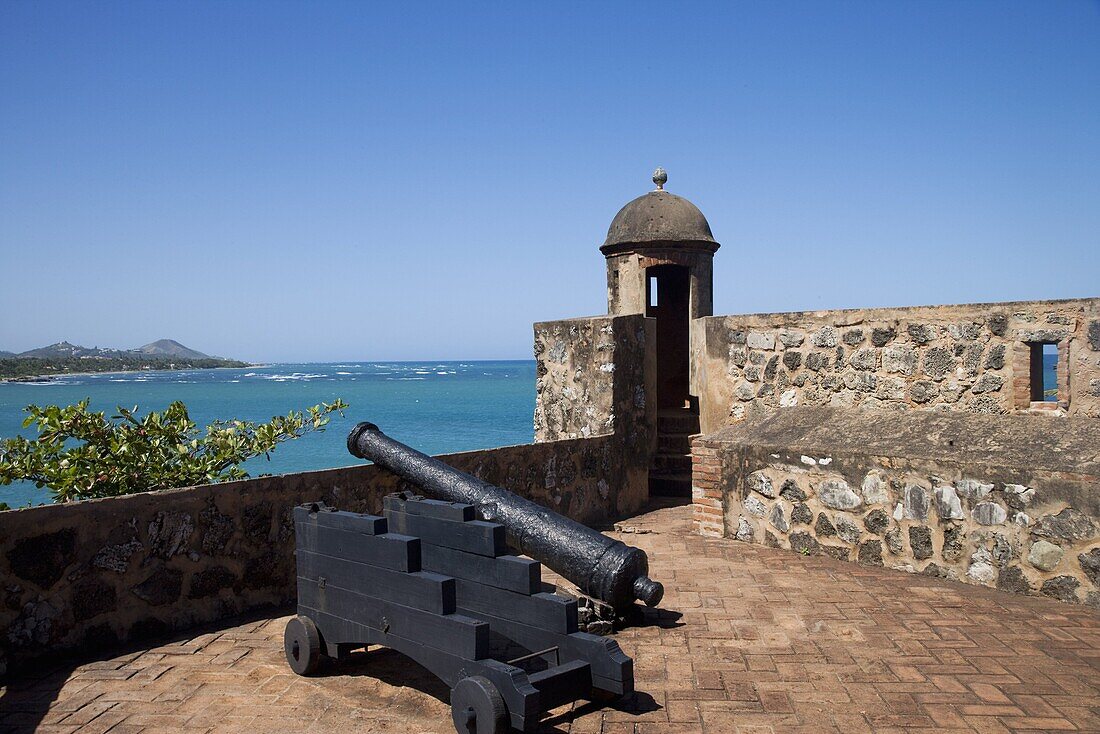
601	567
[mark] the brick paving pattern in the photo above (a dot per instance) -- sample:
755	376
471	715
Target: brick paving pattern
753	640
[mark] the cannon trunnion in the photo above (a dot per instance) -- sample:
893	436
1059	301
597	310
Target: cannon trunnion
433	582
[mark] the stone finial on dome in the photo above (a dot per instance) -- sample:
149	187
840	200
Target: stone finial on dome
660	177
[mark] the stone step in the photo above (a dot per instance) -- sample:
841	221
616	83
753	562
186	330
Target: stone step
672	463
674	443
669	485
677	421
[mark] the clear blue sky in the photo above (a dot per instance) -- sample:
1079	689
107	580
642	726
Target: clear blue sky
316	181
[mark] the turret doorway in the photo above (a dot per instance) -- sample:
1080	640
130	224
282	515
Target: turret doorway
668	295
668	289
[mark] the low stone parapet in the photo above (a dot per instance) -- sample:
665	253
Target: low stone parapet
86	575
1011	502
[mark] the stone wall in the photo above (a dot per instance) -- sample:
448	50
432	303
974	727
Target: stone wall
971	358
91	574
595	377
1011	502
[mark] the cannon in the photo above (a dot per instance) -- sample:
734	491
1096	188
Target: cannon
431	581
601	567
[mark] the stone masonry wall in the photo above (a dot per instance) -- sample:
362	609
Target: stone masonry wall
1003	502
971	358
595	377
91	574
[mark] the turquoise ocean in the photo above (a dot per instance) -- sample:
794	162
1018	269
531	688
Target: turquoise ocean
436	407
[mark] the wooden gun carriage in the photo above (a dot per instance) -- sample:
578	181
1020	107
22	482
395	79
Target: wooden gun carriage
438	585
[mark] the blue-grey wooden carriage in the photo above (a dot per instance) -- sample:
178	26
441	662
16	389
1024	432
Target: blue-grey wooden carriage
434	583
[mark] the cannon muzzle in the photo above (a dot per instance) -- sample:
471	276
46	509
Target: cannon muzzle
601	567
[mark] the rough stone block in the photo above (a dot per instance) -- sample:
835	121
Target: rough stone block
853	337
948	506
761	340
877	521
92	597
864	359
818	361
996	358
169	533
836	493
914	504
759	482
1018	497
894	542
161	587
938	362
848	531
792	492
989	513
805	544
1063	588
1069	524
791	338
921	333
210	581
825	337
874	489
778	519
1044	555
972	490
882	336
1013	579
988	382
116	557
801	514
1090	564
981	571
923	391
42	559
753	506
745	530
1041	335
870	553
953	543
920	542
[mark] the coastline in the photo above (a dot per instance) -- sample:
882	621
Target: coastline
39	379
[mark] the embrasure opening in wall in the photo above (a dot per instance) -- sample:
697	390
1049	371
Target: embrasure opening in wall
1044	372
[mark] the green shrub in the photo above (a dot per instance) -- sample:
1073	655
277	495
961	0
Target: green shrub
80	454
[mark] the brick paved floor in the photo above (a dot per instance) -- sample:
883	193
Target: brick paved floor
768	641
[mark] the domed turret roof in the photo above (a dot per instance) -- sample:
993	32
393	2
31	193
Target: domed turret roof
658	218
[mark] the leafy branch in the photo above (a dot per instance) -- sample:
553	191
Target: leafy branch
80	454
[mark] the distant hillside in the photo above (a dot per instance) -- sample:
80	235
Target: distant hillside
171	348
63	350
66	358
162	348
4	354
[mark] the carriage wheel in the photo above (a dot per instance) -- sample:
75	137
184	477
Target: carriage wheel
477	707
302	644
